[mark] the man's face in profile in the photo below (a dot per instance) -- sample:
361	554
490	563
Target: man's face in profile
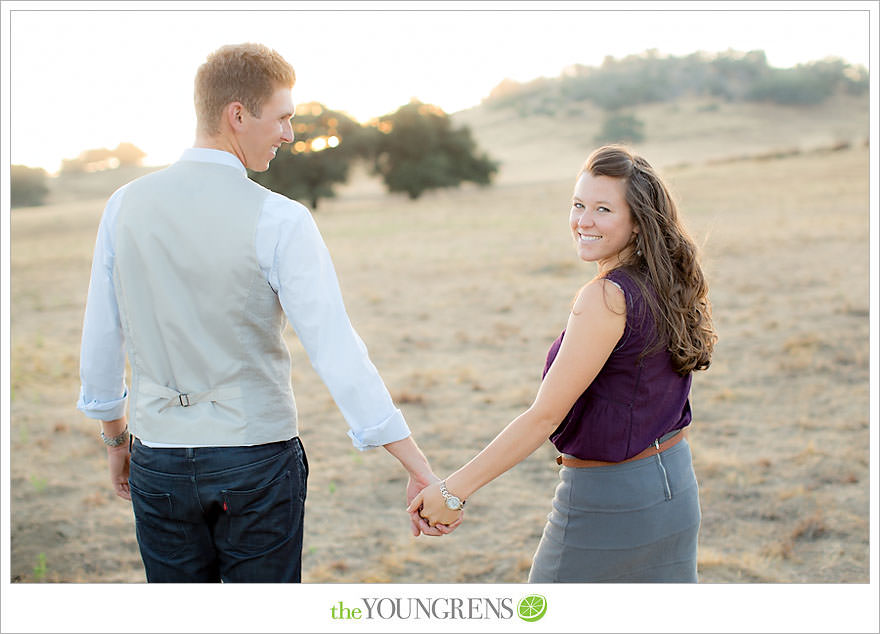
263	135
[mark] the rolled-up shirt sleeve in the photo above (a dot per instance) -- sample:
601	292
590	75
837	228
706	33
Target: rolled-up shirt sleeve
299	268
103	394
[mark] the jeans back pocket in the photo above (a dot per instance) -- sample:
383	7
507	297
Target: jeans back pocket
156	527
258	520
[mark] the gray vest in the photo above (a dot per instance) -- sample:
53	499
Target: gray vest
202	325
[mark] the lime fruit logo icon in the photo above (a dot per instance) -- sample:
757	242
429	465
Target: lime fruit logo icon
532	608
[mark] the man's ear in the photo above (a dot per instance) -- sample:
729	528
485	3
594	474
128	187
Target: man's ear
234	115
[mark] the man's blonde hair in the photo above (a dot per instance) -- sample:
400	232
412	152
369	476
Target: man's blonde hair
247	73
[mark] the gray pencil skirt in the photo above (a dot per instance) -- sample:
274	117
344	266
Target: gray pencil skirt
632	522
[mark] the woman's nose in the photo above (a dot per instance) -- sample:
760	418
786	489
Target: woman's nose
584	219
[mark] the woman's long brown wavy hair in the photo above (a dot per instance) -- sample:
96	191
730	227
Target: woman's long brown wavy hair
665	257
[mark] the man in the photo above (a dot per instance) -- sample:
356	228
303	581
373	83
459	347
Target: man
195	269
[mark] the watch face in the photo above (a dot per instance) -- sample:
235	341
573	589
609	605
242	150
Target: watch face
453	503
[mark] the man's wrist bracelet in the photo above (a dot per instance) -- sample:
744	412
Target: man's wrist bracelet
116	441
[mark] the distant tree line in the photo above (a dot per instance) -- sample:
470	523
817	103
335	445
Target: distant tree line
651	78
29	186
415	149
98	159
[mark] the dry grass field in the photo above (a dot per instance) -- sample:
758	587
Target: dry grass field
458	296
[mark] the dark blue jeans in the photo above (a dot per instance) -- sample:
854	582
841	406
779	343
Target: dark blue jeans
232	514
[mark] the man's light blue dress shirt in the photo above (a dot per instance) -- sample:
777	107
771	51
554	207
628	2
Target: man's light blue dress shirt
297	265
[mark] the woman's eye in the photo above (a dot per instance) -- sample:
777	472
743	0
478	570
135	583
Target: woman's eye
602	209
577	205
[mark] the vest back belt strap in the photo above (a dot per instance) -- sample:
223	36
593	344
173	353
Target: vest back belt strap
187	399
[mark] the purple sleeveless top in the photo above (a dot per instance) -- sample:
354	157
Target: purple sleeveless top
630	402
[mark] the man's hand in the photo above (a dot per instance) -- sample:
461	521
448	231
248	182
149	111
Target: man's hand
119	459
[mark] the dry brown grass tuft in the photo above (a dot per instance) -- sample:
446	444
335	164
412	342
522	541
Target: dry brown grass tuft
408	398
810	528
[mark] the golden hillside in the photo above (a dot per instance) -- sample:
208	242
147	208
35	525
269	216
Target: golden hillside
538	148
542	147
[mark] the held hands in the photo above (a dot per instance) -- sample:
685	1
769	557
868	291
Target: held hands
429	506
420	476
420	524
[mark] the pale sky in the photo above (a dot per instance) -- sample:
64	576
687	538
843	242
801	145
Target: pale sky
86	78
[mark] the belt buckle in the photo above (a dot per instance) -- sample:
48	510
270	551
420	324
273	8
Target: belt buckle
184	400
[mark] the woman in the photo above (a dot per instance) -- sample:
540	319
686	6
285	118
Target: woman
614	399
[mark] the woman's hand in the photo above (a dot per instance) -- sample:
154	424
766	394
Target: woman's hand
431	505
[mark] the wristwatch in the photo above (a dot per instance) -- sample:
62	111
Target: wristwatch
453	503
116	441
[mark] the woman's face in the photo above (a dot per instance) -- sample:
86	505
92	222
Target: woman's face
601	221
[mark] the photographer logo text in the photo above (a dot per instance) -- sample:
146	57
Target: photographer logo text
530	608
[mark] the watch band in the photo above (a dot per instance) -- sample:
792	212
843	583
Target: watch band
446	494
116	441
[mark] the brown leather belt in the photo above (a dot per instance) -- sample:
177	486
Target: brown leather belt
653	450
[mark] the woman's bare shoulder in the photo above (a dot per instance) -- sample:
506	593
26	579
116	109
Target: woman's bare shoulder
601	295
